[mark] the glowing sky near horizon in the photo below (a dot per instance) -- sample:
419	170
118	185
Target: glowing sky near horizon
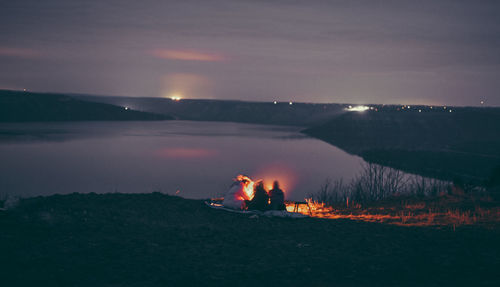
360	52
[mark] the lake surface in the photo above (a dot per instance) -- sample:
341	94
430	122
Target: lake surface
192	159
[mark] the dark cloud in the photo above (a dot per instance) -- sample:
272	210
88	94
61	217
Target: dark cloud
349	51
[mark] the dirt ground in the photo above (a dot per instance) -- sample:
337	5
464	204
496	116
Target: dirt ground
160	240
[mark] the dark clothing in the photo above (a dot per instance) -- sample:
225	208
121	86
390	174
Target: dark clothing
259	200
277	199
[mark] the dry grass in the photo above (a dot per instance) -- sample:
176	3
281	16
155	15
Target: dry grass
437	211
382	194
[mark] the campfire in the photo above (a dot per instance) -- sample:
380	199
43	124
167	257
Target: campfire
249	185
422	214
246	192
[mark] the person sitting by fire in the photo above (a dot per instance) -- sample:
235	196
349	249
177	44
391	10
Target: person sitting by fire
236	196
277	197
260	198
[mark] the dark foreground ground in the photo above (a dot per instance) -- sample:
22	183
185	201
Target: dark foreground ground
160	240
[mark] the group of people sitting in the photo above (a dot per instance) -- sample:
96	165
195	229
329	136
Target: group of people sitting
238	198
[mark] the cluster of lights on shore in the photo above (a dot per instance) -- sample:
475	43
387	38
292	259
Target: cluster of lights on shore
289	103
365	108
359	108
350	108
420	110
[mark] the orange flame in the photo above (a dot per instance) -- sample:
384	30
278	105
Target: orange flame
248	184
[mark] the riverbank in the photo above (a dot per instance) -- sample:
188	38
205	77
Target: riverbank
158	240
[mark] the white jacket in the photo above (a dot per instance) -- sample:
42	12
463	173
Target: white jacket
236	196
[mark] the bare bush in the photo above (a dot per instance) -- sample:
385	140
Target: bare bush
376	182
332	192
422	186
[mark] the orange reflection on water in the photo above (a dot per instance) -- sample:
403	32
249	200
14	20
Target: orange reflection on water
19	52
187	153
186	55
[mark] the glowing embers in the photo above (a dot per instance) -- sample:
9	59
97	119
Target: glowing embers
357	108
417	214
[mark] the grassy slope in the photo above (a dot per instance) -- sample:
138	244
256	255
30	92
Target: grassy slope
155	239
27	107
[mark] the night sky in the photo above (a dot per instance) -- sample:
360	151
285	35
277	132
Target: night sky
411	52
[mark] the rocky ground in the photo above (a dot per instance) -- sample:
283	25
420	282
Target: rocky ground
160	240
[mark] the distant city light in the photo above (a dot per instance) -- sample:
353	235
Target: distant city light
450	111
290	103
419	111
358	108
408	106
444	107
482	102
431	107
176	98
126	108
275	102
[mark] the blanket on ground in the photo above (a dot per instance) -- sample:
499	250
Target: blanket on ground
268	213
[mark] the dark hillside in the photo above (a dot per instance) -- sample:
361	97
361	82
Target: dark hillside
464	142
26	107
281	113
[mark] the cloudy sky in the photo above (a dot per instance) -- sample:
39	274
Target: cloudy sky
415	52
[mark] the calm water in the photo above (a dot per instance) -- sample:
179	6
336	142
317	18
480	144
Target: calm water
192	159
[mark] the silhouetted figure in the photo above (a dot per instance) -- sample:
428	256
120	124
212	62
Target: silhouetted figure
277	197
260	198
236	197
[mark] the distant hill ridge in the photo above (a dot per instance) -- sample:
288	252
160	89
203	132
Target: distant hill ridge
17	106
270	113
